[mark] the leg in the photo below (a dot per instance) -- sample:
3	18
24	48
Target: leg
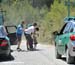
27	41
35	43
27	44
19	42
35	46
30	42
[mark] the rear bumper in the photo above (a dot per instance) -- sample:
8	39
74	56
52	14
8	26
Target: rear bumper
71	49
72	53
5	51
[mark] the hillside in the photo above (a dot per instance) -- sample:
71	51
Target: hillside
49	14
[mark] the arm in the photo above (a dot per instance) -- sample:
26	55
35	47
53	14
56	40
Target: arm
5	30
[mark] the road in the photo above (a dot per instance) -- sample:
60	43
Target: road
44	55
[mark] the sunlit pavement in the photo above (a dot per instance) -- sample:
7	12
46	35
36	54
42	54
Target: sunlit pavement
44	55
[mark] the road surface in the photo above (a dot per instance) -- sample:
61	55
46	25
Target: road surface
44	55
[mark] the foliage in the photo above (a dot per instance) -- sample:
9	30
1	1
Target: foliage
18	10
49	18
53	20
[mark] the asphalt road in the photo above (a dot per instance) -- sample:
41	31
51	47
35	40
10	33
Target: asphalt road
44	55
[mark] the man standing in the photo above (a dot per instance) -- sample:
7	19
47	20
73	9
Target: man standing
19	31
28	32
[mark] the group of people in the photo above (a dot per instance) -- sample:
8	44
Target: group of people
30	35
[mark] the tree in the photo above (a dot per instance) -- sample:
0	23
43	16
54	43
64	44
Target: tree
53	20
41	3
0	1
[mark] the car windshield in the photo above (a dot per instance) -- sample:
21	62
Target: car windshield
68	19
70	27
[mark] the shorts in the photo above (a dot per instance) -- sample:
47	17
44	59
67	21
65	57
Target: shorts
19	37
29	38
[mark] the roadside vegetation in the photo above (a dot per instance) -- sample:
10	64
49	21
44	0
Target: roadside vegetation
49	14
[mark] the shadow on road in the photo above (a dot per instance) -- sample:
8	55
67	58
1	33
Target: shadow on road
5	58
28	50
20	51
64	59
36	50
71	64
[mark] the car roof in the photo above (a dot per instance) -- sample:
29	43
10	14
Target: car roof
68	19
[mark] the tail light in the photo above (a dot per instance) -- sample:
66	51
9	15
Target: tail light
72	37
4	43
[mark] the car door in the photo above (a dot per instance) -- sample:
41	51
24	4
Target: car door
11	30
62	40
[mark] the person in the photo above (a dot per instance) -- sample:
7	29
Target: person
28	32
35	38
19	32
3	33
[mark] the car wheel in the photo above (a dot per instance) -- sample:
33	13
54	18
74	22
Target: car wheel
58	56
69	59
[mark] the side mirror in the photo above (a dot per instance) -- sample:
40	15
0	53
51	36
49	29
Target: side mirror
55	33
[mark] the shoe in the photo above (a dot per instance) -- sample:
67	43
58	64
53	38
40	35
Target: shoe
28	49
18	49
11	50
32	49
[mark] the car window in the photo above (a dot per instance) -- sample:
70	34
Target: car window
11	29
73	28
61	31
68	27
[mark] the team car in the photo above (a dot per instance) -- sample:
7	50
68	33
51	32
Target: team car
5	44
7	41
65	40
